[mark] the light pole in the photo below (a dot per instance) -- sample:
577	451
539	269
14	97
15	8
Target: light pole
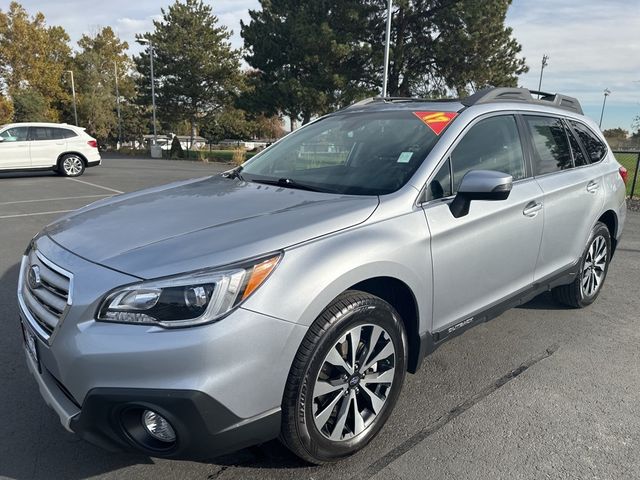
386	51
73	91
607	92
115	69
153	89
545	62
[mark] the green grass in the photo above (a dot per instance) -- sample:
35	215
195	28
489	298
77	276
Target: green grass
629	161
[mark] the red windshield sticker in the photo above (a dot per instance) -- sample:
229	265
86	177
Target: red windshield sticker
436	121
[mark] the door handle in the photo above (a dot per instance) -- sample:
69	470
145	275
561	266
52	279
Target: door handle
532	209
592	186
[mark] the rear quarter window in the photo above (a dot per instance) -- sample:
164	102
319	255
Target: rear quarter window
66	133
596	148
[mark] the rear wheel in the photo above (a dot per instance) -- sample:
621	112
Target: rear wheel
345	379
71	165
593	271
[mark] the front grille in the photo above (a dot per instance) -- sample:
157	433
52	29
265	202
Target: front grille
44	293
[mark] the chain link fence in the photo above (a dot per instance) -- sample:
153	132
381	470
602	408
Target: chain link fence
631	161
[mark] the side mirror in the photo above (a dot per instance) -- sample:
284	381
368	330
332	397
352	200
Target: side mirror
1	139
480	185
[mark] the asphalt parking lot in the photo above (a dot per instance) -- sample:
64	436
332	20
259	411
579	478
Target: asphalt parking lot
540	392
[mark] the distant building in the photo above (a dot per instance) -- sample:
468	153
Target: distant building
248	144
185	140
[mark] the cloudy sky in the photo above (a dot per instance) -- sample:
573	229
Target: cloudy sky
592	44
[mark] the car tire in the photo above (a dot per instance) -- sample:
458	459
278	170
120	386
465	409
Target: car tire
357	390
71	165
594	266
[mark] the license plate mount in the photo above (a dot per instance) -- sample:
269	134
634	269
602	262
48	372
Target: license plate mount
30	344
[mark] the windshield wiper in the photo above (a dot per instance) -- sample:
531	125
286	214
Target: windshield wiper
288	183
234	173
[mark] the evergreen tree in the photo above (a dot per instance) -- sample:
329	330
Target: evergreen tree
197	72
308	55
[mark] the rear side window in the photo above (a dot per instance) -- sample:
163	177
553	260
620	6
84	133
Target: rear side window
57	133
491	144
596	149
579	158
41	133
551	152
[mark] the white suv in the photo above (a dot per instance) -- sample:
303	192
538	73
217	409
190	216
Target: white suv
63	148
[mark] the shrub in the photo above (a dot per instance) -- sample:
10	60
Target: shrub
239	156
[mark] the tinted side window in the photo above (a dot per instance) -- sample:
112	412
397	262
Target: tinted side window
579	158
41	133
491	144
15	134
66	133
440	185
57	133
551	151
595	148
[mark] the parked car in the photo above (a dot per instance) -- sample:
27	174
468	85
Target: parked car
63	148
288	297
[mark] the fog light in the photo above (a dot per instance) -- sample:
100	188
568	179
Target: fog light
158	426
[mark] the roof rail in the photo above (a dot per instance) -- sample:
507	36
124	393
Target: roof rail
367	101
506	94
373	100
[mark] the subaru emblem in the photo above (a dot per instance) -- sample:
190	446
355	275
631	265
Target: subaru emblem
34	277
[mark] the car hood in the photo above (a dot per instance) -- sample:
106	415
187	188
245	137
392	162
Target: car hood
202	223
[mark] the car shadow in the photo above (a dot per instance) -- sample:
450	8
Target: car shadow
544	301
28	174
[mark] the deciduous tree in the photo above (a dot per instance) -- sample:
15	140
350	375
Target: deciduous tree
34	56
6	110
101	55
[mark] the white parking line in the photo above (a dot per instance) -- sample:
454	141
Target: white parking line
94	185
54	199
34	214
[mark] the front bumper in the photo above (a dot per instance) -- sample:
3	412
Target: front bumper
204	427
221	385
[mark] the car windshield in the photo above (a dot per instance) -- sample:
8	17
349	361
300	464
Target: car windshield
372	153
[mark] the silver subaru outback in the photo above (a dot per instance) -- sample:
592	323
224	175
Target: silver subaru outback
288	297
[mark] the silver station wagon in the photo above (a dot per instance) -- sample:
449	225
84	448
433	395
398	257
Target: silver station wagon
288	297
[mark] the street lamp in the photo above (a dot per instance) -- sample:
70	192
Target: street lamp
545	62
386	51
73	91
153	89
115	69
607	92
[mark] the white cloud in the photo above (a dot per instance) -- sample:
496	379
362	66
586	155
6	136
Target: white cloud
592	45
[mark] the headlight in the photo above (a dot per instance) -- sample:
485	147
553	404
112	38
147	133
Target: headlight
190	299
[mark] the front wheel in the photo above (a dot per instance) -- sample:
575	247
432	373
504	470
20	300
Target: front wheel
71	166
594	266
345	378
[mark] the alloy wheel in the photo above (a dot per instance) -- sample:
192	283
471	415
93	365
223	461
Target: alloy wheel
72	165
594	267
354	382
